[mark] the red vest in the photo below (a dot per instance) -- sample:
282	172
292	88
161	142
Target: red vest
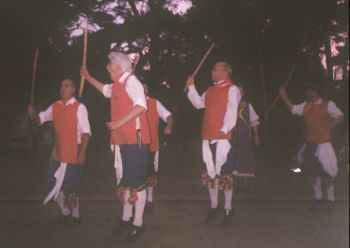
216	99
121	105
318	123
65	121
153	120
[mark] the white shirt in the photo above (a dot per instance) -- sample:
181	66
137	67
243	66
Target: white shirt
234	97
333	110
254	118
134	89
162	111
82	115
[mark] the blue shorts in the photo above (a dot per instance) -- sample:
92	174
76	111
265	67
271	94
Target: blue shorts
135	159
71	180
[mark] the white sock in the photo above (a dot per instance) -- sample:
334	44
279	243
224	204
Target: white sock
317	188
228	199
150	194
214	195
60	201
140	208
75	211
330	193
127	207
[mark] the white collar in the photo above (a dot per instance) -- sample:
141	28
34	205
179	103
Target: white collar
124	77
70	101
219	82
319	101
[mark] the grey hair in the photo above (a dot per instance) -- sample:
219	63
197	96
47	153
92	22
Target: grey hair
122	60
228	68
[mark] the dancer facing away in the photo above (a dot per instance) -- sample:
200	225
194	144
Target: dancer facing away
220	102
156	111
244	142
320	117
72	133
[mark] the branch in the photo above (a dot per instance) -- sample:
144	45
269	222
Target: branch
133	8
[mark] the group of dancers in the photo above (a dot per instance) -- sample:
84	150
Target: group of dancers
229	136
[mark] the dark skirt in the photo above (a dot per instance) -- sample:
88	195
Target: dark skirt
244	148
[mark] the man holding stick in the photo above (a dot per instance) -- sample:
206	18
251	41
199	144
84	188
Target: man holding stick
130	139
72	131
220	102
156	110
320	117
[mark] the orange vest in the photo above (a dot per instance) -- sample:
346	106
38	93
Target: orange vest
121	105
65	121
216	99
153	120
318	123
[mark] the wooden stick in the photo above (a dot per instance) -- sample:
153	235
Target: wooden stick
137	59
34	76
268	112
201	62
82	79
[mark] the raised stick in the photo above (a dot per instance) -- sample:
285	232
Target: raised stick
202	62
278	96
82	79
34	76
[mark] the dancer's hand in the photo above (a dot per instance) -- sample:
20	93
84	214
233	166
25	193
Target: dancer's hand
167	130
190	81
113	125
257	141
283	92
84	72
222	135
81	158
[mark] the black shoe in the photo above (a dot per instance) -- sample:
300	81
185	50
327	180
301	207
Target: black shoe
227	218
63	219
134	234
316	204
329	205
212	214
73	222
149	207
121	227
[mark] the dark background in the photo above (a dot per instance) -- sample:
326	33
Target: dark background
261	39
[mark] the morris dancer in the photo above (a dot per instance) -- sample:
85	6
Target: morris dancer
72	131
130	139
220	102
320	117
246	137
155	111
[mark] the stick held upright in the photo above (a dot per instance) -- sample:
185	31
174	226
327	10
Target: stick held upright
201	62
82	79
35	64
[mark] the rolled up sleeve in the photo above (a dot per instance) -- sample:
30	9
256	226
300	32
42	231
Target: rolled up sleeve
234	97
136	92
298	109
46	115
162	111
83	120
107	90
334	111
197	101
